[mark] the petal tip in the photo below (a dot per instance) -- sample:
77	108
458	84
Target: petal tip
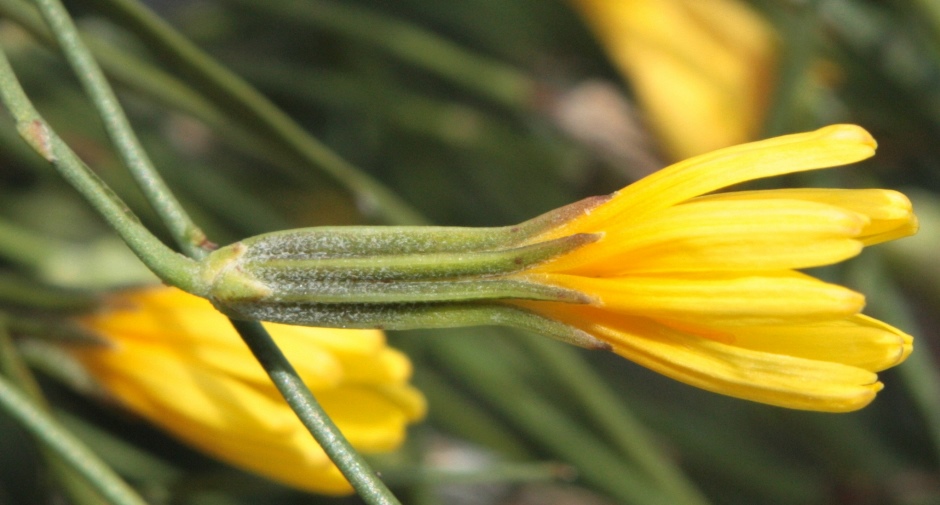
905	348
849	133
864	396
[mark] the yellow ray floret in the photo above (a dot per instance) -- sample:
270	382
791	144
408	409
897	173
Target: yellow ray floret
174	360
701	69
705	288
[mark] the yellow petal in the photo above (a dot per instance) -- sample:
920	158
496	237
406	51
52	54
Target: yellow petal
368	419
760	298
858	341
890	213
703	90
826	147
335	340
781	380
177	362
292	458
387	366
704	235
318	368
153	381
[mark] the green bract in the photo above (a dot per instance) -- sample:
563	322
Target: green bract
396	277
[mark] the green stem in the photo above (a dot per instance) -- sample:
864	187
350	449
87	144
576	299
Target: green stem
298	396
283	128
412	44
146	79
17	291
24	247
243	101
296	393
78	457
189	235
929	11
547	424
79	490
488	473
921	371
460	415
621	426
801	36
173	268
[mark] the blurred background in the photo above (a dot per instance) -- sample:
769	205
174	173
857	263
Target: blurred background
479	113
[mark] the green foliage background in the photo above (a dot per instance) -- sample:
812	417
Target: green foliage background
453	106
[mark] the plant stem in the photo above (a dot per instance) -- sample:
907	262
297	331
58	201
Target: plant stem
245	103
621	426
921	371
22	246
487	473
298	396
547	424
181	226
57	439
170	266
412	44
802	28
189	236
166	90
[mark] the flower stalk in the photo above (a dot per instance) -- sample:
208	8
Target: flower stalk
170	266
118	127
21	399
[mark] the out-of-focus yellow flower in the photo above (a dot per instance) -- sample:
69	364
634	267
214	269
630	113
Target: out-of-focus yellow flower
701	69
174	360
704	289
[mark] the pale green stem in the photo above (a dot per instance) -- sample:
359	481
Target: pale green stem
22	246
547	424
399	218
165	89
282	373
801	36
173	268
621	426
921	371
78	458
929	10
79	490
243	101
412	44
189	236
301	400
489	473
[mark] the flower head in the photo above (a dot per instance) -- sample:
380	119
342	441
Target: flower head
705	289
174	360
701	69
702	288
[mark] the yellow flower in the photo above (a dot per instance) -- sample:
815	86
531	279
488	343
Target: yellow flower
704	289
174	360
701	69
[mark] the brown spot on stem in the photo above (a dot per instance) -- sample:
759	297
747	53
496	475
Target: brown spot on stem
39	137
